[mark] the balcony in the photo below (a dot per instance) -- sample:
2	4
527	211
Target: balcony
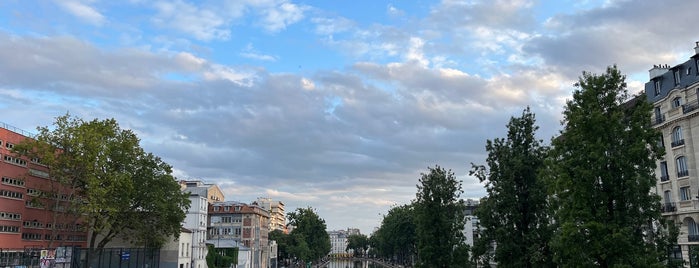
677	143
686	108
659	119
664	178
668	207
693	238
682	173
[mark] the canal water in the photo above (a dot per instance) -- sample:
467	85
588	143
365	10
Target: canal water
352	264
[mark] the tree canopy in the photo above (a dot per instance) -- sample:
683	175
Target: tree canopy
309	239
601	172
119	190
396	238
439	219
358	243
514	215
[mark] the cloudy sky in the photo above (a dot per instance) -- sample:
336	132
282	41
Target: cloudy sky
337	105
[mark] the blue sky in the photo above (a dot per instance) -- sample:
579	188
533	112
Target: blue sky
338	105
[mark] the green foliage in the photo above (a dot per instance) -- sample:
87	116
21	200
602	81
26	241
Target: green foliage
117	188
221	257
515	213
396	238
282	243
359	243
309	240
439	219
601	172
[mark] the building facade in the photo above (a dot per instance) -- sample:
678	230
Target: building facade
277	215
201	195
673	91
471	224
32	205
232	222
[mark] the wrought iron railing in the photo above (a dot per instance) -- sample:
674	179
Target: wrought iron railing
668	207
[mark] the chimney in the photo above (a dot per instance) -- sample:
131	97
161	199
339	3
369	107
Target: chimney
696	48
658	70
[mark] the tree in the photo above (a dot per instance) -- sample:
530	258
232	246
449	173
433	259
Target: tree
359	243
309	239
221	257
514	215
396	239
282	240
601	172
439	219
117	189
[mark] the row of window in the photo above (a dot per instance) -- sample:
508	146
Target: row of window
35	236
685	195
15	160
9	229
11	194
13	181
226	208
10	216
682	169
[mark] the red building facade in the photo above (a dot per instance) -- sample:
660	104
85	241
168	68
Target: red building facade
32	206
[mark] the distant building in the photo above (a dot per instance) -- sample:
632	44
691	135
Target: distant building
32	205
238	223
471	226
673	91
200	195
277	215
338	242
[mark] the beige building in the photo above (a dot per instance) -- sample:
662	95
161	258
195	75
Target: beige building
239	224
673	92
277	215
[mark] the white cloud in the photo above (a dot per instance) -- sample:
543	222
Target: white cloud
83	11
278	17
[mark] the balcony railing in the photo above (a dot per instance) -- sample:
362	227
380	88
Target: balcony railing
664	178
677	143
668	207
693	238
682	173
659	119
686	108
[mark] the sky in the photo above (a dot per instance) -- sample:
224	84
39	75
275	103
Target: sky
336	105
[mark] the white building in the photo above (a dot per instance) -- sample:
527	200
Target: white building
200	195
471	226
338	242
673	91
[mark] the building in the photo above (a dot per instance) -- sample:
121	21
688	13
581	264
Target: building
338	242
32	205
235	223
673	92
277	215
201	196
471	225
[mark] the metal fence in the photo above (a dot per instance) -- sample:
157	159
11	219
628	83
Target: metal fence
73	257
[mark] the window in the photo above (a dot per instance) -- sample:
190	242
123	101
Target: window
656	86
9	229
682	167
661	142
11	194
216	208
658	115
685	194
676	102
227	208
663	171
237	208
677	138
676	75
10	216
15	160
692	230
667	196
9	145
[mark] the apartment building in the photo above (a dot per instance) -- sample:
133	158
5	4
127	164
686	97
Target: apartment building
32	205
201	196
673	90
277	215
235	223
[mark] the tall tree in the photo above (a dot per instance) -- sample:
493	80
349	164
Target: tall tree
309	229
439	219
396	238
118	189
514	215
601	174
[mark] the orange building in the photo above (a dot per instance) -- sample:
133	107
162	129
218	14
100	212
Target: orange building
32	206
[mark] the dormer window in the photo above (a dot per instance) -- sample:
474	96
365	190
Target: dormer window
676	75
656	86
